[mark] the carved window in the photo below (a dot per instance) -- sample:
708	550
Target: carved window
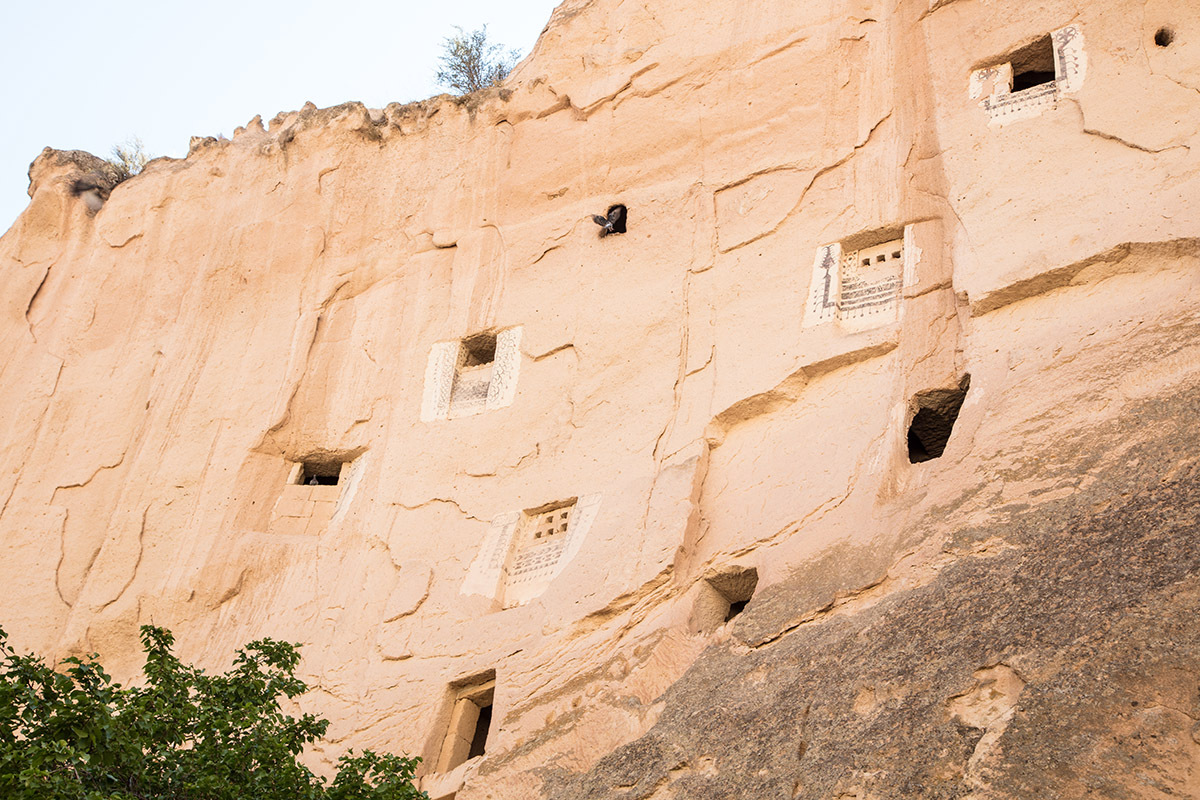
857	282
722	597
311	495
319	473
538	546
1032	78
472	375
524	551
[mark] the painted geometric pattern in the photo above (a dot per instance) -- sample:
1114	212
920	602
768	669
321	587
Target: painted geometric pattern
853	292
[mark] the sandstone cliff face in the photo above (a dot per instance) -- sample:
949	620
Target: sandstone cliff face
832	210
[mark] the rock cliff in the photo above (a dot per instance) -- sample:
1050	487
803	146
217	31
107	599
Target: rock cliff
862	464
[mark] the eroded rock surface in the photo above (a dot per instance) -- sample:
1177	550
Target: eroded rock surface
649	505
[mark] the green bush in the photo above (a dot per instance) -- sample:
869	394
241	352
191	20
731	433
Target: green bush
185	735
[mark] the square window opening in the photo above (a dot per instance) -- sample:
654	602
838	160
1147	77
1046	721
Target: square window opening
1033	65
931	426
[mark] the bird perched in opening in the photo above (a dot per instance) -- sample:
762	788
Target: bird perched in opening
609	224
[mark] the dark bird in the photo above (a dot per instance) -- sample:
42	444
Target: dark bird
613	223
313	481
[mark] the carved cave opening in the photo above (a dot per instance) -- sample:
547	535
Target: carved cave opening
736	608
320	473
931	426
1164	37
1033	65
470	721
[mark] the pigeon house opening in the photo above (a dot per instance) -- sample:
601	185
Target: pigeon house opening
1033	65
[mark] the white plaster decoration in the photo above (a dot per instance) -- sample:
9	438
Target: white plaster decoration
484	575
582	517
912	257
992	86
503	387
870	286
1070	58
439	380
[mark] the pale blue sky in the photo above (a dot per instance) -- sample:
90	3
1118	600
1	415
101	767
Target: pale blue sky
87	75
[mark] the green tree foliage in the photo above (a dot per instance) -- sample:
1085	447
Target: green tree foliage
185	735
470	62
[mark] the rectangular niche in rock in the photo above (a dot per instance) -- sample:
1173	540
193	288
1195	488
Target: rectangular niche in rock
311	494
524	551
472	375
1031	78
470	721
933	416
857	282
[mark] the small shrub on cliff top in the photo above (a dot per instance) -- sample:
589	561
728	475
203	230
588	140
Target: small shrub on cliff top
128	159
185	735
470	62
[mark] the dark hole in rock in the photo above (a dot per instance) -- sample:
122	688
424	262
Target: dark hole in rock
1033	65
479	740
1164	37
735	608
620	219
320	473
480	349
933	423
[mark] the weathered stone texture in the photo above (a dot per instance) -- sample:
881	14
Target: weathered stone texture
1011	619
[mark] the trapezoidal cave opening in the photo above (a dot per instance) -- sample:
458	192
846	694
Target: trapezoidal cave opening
722	597
931	426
